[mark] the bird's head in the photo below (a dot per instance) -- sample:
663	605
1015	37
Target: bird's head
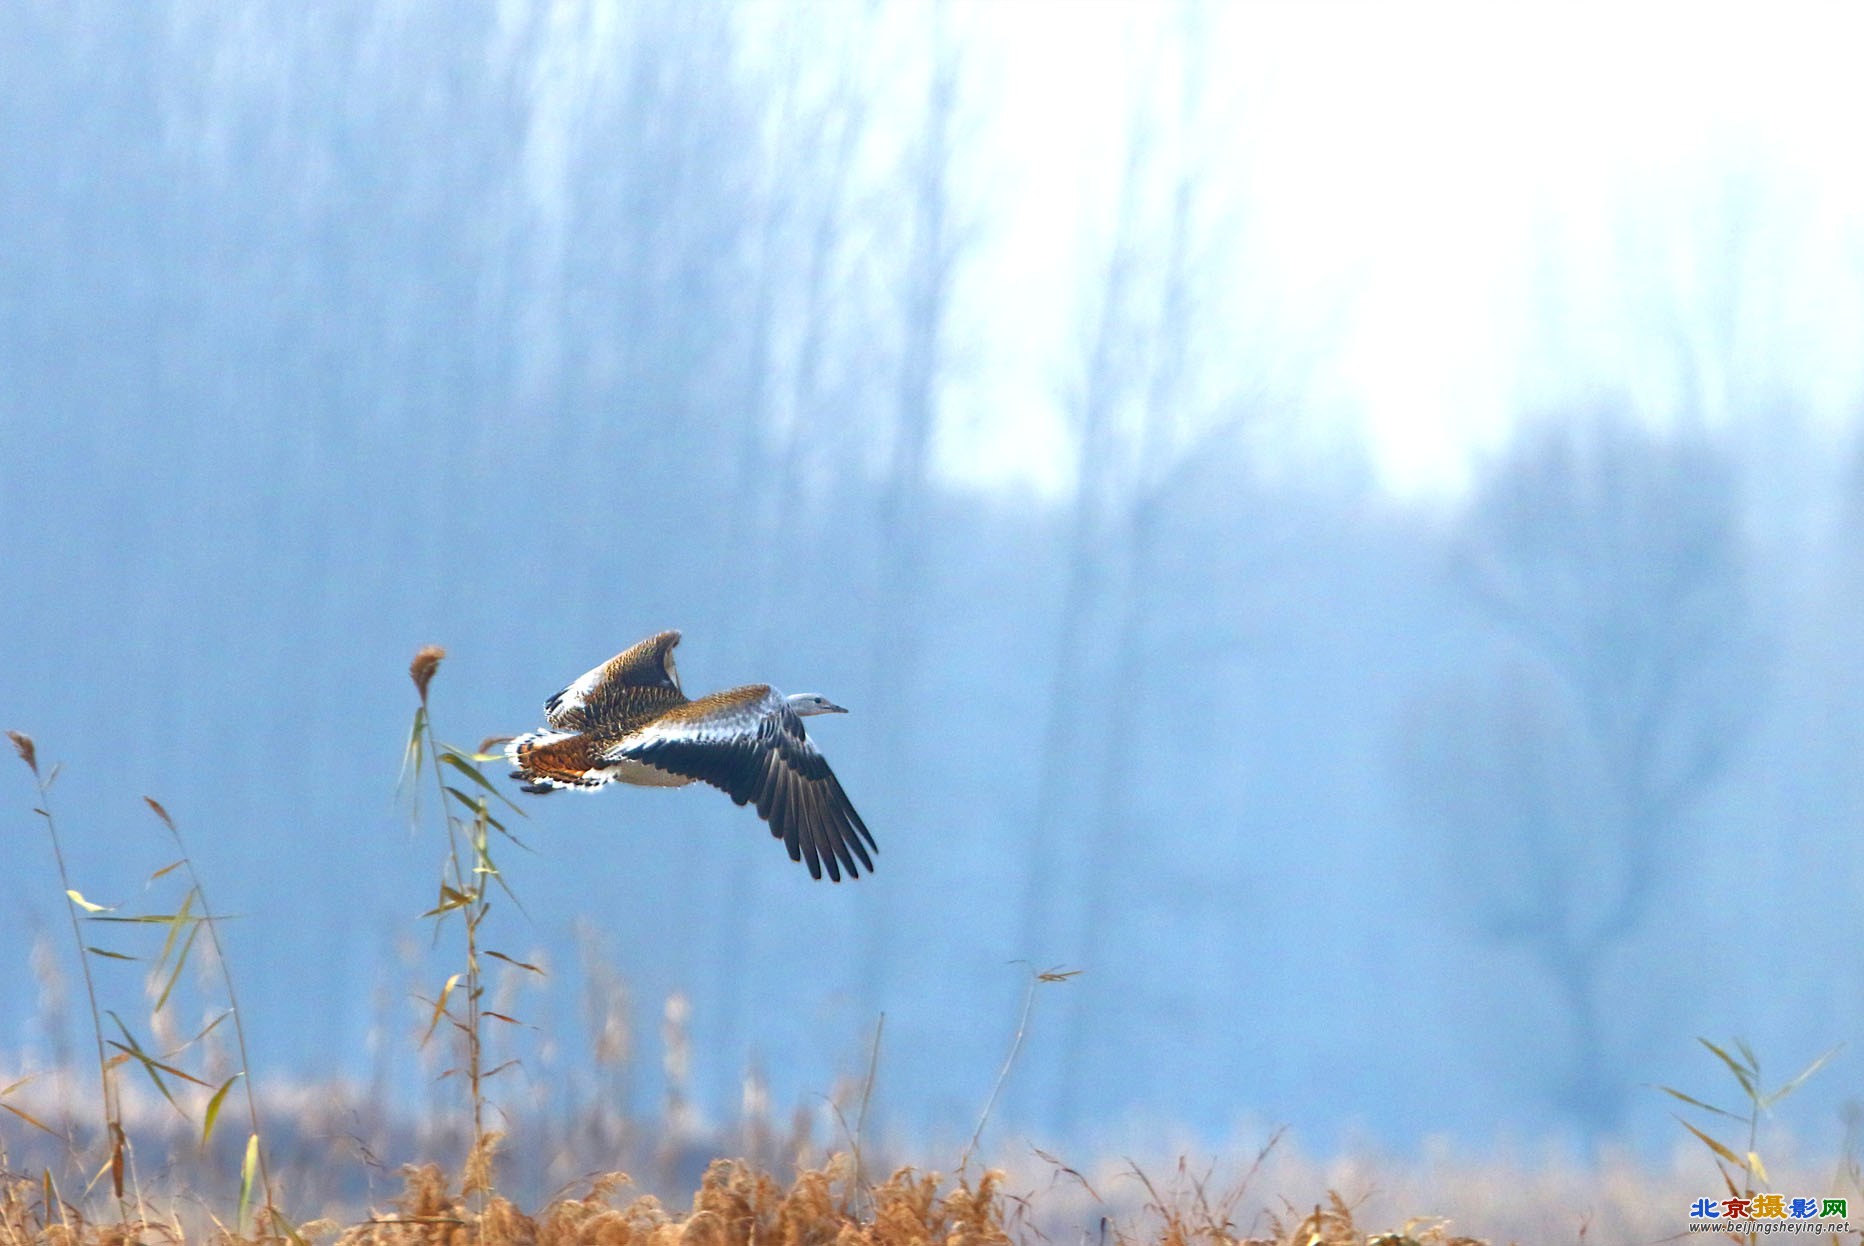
802	704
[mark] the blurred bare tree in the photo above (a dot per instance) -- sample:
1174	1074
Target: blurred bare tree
1155	410
1610	559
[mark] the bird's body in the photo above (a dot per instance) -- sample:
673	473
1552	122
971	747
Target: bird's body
627	721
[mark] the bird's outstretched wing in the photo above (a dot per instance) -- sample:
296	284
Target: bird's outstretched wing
749	744
641	677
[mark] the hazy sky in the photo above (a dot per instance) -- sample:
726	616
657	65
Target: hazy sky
1417	180
292	426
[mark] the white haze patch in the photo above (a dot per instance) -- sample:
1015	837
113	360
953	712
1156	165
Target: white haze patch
1438	185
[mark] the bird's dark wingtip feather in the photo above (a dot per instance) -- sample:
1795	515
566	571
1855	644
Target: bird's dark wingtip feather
856	847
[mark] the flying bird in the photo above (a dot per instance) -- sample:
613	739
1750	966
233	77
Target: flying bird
627	721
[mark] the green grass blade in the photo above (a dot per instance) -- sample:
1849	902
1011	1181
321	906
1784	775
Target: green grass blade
411	756
1741	1071
1697	1103
150	1065
79	900
211	1026
1799	1079
248	1172
30	1119
1757	1168
466	768
213	1109
474	804
472	772
1712	1144
440	1008
181	962
519	964
175	922
450	899
156	1067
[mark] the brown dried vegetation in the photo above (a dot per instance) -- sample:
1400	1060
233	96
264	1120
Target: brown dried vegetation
736	1205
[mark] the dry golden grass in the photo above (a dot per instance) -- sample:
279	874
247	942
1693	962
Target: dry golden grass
736	1204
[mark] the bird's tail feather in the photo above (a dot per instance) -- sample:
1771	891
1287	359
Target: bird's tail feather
548	760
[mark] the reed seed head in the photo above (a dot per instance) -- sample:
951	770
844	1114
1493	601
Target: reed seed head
422	669
22	743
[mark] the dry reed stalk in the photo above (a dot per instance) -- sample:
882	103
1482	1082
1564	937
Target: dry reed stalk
110	1100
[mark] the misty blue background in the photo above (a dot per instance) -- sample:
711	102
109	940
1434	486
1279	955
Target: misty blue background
1385	773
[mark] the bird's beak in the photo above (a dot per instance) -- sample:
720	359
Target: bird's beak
832	708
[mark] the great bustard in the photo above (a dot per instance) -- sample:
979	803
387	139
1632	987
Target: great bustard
627	721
